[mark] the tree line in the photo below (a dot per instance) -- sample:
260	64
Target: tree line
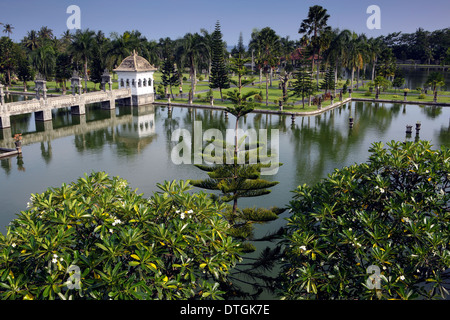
320	49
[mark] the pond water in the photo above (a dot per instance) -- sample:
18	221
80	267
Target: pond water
135	144
416	77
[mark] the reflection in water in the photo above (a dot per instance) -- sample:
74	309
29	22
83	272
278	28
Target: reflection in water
135	143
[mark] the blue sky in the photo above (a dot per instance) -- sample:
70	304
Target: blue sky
174	18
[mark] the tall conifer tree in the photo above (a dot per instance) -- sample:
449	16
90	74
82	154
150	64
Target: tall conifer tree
170	77
219	73
234	180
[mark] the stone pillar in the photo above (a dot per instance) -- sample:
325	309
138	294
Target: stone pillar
349	93
79	109
44	115
2	95
106	78
5	121
75	83
40	85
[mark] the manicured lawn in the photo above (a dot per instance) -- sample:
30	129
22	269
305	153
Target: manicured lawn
399	97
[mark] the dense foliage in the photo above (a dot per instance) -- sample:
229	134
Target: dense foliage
389	216
173	245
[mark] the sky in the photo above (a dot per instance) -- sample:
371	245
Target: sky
157	19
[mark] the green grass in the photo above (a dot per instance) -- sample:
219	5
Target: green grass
399	97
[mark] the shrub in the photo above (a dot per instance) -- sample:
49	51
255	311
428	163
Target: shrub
422	96
390	215
172	245
368	93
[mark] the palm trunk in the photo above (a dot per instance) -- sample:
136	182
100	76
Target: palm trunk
357	77
85	75
353	75
335	79
373	68
271	73
318	72
267	90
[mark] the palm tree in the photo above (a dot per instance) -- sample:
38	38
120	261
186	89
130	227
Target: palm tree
152	52
208	40
435	80
8	28
336	53
45	33
192	52
31	41
374	49
43	60
64	41
119	50
355	54
313	28
267	45
364	56
81	48
255	46
286	48
271	47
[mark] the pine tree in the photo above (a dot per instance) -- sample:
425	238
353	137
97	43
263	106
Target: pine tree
219	74
239	50
234	180
303	86
328	81
170	77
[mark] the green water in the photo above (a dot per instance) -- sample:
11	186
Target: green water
135	143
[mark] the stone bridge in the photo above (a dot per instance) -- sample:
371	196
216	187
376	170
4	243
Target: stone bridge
137	116
42	106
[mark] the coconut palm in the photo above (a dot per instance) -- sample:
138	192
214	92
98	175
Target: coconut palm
81	48
337	51
192	52
435	80
45	33
364	55
271	48
208	40
355	54
256	47
8	29
267	47
31	40
374	49
313	28
43	59
119	50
